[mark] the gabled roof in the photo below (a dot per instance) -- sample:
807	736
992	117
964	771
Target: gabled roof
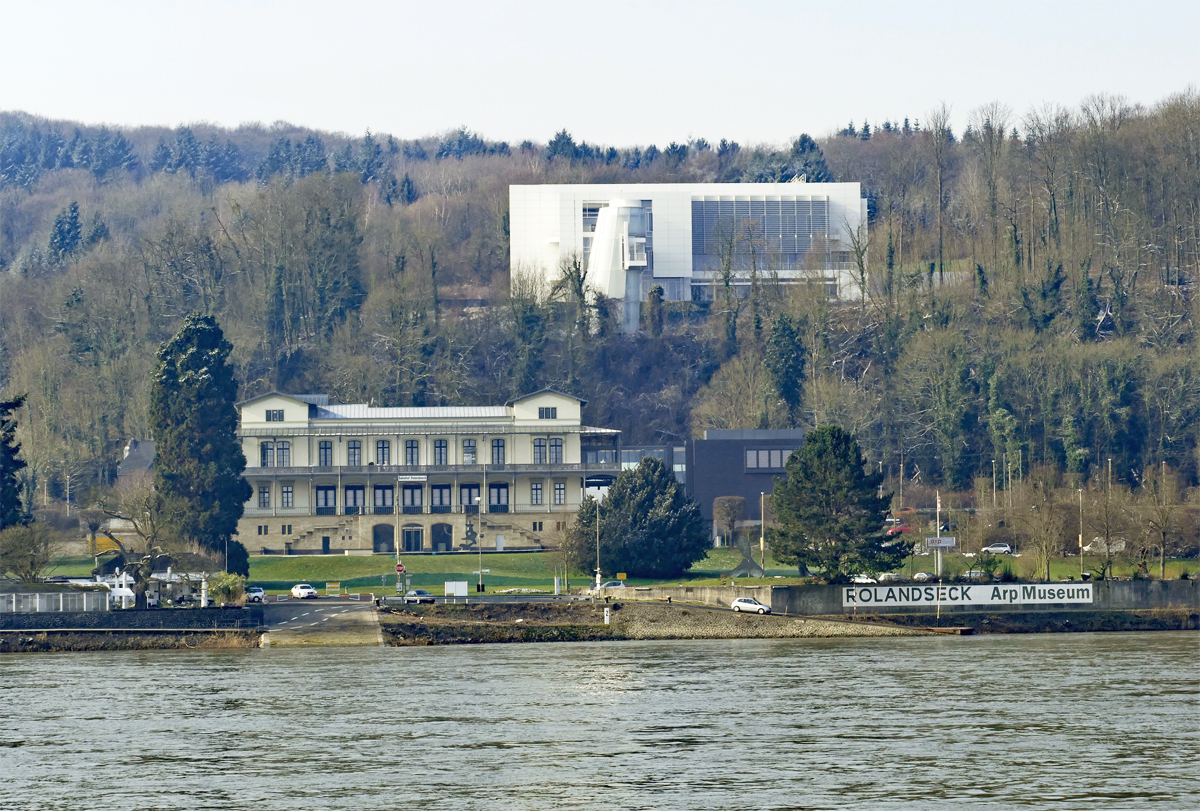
546	390
310	399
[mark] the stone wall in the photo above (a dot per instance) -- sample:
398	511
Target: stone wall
137	619
1111	595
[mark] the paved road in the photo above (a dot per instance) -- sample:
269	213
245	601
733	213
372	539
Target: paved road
322	622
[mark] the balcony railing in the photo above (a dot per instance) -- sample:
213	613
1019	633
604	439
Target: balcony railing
410	470
353	510
326	510
414	509
457	509
439	510
381	510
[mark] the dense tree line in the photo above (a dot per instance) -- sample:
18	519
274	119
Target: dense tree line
1031	287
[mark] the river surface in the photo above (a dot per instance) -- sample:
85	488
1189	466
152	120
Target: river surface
1050	721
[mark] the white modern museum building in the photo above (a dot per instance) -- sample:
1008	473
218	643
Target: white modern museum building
681	236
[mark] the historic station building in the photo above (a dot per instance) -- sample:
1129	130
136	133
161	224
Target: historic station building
329	478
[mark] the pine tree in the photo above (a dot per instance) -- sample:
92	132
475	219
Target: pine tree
408	191
649	527
66	233
785	363
198	462
827	511
12	511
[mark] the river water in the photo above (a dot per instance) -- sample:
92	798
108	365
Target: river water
1051	721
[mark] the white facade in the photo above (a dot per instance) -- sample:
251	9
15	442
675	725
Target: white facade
328	477
678	235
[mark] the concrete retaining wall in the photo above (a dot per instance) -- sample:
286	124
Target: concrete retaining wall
1111	595
137	619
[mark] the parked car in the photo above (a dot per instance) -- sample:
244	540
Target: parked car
749	604
888	577
922	577
417	596
255	594
997	549
304	591
863	579
613	584
899	529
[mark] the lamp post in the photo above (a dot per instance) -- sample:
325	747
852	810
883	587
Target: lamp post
597	540
1081	532
762	530
479	544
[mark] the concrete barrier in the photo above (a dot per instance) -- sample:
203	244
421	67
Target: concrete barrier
1109	595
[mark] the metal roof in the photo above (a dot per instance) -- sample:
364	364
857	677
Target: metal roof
361	411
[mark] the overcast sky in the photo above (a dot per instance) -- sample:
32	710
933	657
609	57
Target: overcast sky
618	73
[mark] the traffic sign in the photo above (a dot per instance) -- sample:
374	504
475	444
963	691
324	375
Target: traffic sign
945	542
620	575
399	568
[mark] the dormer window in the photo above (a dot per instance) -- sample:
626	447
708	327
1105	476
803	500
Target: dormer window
275	416
550	413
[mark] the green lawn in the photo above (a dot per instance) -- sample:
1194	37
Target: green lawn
278	573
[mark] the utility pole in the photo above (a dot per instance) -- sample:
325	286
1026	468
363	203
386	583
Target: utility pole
597	540
1081	533
762	531
993	484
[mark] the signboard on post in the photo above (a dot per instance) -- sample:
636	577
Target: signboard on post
620	576
333	589
399	568
456	588
945	542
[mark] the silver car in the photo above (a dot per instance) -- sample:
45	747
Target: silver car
749	604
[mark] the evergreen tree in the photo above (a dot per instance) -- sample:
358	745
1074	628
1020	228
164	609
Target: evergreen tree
198	462
408	191
562	146
785	363
648	526
66	233
828	515
12	511
370	159
809	160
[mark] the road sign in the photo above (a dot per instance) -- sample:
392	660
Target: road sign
333	589
620	575
945	542
399	568
485	571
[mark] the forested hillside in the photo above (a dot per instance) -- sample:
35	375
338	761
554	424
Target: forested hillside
1033	286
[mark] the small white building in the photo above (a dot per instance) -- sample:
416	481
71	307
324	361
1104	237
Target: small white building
681	236
331	478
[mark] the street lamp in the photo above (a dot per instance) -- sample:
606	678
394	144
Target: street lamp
479	546
597	540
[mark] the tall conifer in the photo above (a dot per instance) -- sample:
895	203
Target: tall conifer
198	462
12	511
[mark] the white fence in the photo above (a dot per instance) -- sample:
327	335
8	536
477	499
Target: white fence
55	601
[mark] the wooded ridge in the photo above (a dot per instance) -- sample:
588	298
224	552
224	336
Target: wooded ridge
1032	287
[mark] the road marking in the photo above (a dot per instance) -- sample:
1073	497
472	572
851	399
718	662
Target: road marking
327	619
306	613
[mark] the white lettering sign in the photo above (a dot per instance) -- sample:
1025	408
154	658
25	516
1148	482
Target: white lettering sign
999	594
944	542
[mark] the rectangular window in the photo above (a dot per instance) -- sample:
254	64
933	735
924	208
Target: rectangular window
283	454
777	459
264	497
286	529
439	496
469	452
275	416
266	454
468	497
325	454
355	496
751	459
326	497
412	495
538	525
441	452
556	452
498	498
383	495
412	452
260	529
383	452
560	493
539	451
497	451
550	413
287	496
535	493
354	453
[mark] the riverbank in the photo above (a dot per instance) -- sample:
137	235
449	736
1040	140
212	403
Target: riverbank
1051	622
584	622
55	641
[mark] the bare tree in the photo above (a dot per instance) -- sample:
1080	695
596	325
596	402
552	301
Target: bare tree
938	125
727	512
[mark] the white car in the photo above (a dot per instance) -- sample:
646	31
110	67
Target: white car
255	594
862	579
749	604
417	596
997	549
304	591
922	577
888	577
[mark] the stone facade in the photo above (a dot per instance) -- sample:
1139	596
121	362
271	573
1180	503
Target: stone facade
333	478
